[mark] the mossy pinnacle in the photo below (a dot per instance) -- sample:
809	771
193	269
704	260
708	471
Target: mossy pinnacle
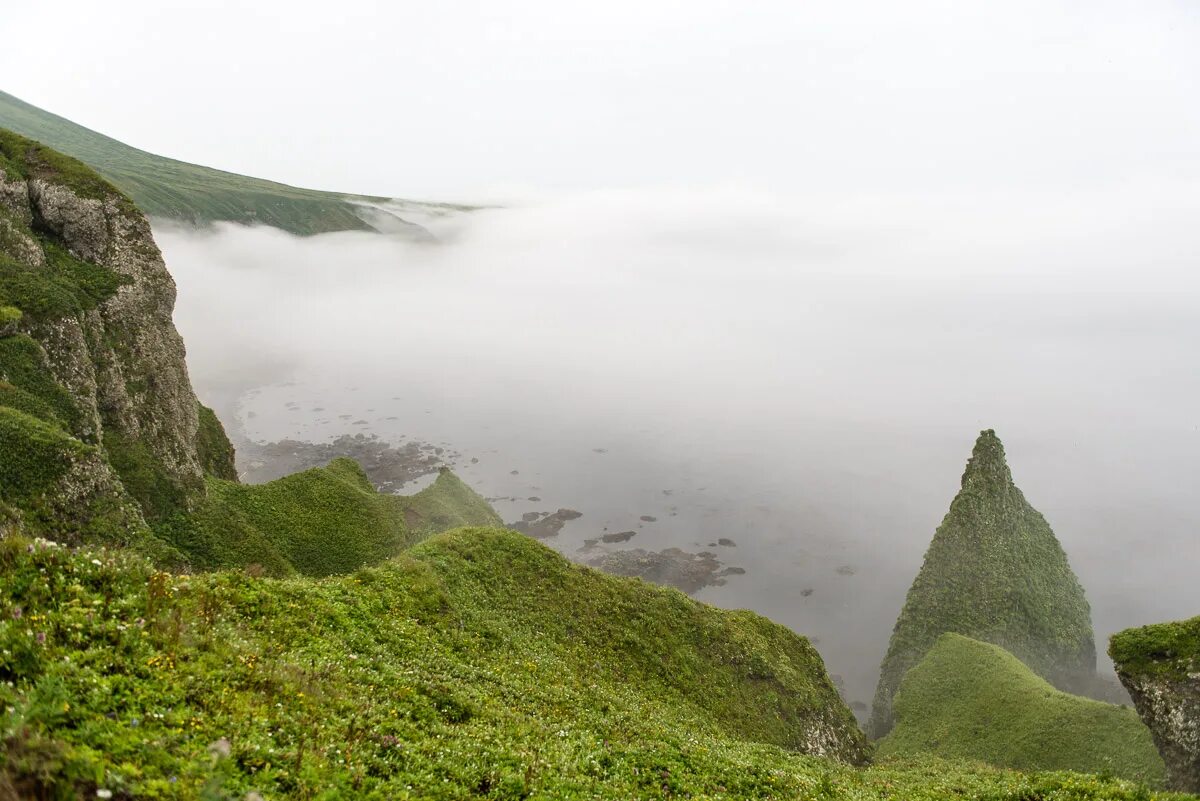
995	572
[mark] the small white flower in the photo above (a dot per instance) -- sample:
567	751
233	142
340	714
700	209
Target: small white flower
102	793
96	562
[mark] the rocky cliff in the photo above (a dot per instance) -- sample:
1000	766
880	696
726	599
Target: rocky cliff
994	572
92	371
1160	666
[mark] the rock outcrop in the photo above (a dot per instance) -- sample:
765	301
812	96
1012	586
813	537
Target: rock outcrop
1160	667
994	572
89	346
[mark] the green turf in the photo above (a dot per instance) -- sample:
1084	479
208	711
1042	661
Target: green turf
969	699
1162	648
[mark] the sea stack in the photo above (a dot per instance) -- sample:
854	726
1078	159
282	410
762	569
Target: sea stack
994	572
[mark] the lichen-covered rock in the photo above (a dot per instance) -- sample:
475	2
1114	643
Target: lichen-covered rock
1160	666
994	572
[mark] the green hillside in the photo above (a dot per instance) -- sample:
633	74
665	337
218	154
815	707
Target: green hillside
478	665
995	572
968	699
164	187
319	522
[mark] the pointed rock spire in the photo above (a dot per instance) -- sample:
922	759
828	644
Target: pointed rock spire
994	572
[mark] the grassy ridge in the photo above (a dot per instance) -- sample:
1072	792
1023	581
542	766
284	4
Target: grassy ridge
450	672
969	699
318	522
164	187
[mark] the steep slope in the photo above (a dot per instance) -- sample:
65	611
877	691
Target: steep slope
176	190
480	664
973	700
994	572
1160	666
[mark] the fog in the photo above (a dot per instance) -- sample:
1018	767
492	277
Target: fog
802	375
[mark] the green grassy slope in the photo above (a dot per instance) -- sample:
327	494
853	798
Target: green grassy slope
318	522
164	187
995	572
974	700
480	664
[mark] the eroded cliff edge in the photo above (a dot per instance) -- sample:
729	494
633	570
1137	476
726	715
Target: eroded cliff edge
1160	666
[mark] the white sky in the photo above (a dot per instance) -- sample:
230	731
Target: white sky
456	99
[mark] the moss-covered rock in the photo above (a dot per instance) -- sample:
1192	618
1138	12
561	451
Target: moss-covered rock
973	700
995	572
1160	667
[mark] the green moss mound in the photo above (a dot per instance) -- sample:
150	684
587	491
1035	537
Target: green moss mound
412	680
995	572
968	699
318	522
1162	649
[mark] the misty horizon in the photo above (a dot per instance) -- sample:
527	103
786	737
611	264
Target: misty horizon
803	377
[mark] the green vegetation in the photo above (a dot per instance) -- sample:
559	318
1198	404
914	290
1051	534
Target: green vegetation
164	187
972	700
216	451
63	286
318	522
995	572
28	385
1161	649
480	664
36	454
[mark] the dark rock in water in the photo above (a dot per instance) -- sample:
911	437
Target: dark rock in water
726	542
514	472
387	466
1160	666
541	525
533	499
689	572
619	536
807	591
994	572
648	518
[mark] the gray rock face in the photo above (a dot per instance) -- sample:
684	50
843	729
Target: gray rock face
112	348
1170	707
123	362
1160	667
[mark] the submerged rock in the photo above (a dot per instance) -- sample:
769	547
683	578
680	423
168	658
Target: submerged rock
1160	666
994	572
689	572
541	525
